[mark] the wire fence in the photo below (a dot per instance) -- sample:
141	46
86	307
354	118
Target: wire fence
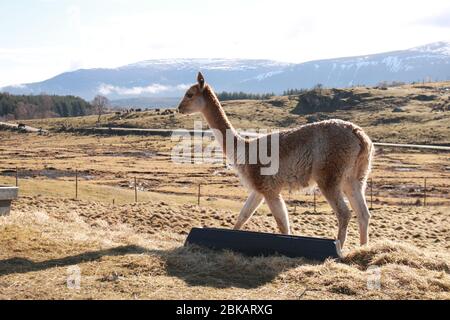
395	191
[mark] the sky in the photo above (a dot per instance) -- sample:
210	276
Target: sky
42	38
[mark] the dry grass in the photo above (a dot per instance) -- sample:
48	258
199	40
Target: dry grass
117	261
425	228
107	167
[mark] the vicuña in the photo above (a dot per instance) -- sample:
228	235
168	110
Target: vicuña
335	155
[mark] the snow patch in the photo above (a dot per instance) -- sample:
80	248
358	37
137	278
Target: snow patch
362	64
267	75
441	47
393	63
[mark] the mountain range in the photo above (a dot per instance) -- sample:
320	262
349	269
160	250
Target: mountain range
163	81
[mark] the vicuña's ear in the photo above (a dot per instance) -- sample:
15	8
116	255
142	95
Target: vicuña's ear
201	81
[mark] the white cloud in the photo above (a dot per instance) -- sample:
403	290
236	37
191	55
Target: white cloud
155	88
19	86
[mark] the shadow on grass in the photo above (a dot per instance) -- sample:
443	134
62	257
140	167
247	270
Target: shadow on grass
24	265
196	266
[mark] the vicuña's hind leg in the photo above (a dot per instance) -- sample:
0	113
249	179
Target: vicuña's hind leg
354	190
336	200
250	206
278	208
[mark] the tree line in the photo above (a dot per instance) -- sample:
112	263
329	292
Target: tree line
224	95
16	107
291	92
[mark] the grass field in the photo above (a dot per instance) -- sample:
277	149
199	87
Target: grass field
130	250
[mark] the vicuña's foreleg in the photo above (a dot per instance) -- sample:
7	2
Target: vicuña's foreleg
250	206
279	211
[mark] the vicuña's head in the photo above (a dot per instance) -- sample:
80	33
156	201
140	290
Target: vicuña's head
194	101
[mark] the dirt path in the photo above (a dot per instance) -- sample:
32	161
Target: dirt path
19	127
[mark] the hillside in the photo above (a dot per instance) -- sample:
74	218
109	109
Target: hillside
408	114
169	77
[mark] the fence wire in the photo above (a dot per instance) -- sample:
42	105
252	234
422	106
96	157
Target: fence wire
394	191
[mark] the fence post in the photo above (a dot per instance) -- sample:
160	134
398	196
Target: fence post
198	196
135	190
17	177
425	192
371	193
76	184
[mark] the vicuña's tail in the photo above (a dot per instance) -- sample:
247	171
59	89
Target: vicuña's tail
364	159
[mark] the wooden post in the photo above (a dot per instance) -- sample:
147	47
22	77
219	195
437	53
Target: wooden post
76	184
371	193
198	196
314	192
135	190
17	177
425	192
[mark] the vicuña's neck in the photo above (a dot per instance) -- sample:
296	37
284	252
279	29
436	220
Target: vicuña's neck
218	121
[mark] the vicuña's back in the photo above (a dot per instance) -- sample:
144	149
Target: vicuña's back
334	154
322	152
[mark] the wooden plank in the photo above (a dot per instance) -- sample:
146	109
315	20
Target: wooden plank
265	244
5	207
8	193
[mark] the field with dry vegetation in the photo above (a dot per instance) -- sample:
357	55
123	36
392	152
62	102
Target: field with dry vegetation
129	250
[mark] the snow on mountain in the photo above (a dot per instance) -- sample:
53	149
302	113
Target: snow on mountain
440	48
206	64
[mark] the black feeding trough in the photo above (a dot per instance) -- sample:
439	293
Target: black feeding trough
265	244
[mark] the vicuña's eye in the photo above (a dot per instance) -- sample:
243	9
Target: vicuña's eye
189	95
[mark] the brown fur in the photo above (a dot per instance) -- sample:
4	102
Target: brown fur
334	154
